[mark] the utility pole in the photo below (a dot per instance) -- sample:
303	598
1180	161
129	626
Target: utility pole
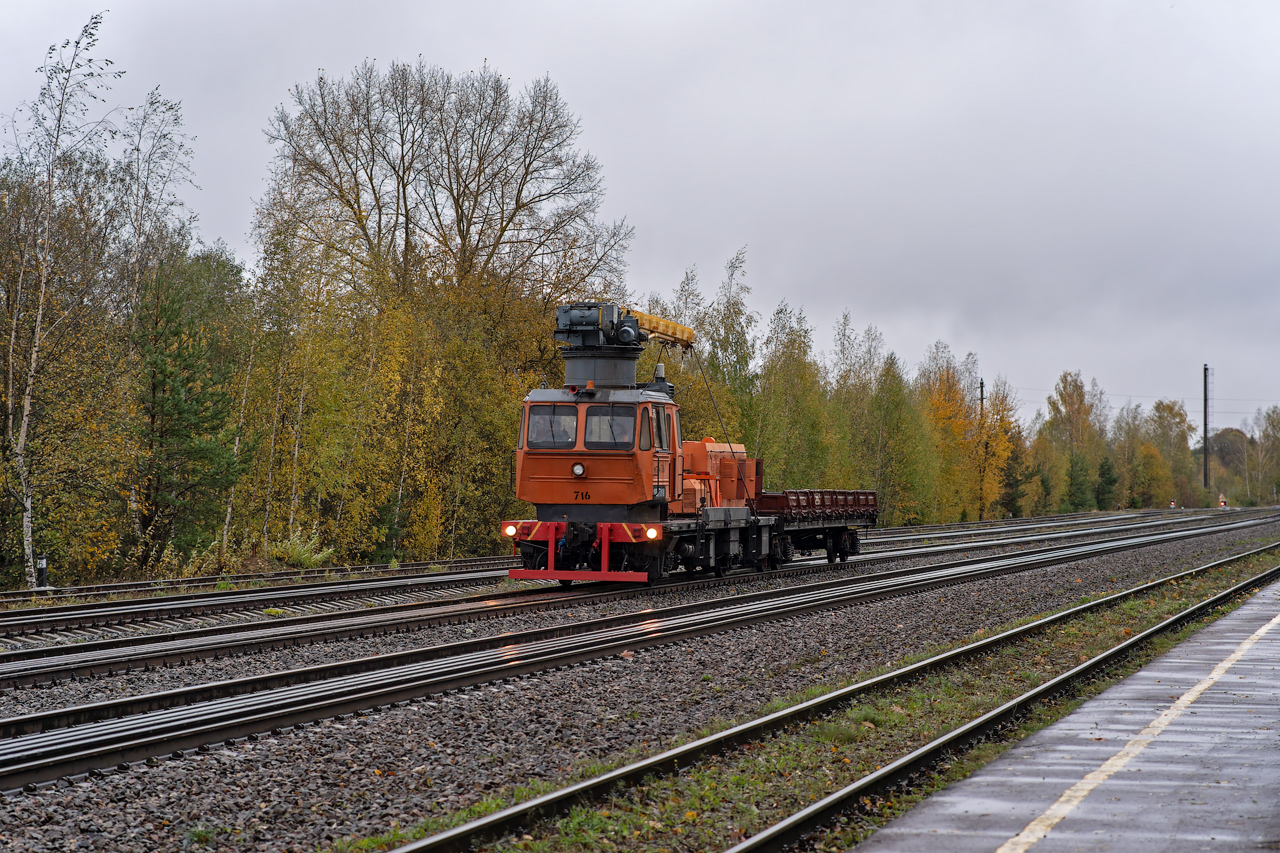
982	431
1206	428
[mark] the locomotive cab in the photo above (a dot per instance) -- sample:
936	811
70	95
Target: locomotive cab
599	455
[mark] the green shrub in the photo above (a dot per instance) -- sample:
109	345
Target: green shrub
301	553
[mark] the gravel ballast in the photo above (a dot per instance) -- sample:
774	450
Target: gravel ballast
360	776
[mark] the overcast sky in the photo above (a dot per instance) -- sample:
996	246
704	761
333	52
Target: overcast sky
1076	185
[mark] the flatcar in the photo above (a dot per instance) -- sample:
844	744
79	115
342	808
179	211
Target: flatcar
620	495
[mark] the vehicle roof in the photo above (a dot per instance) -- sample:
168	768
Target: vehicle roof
601	395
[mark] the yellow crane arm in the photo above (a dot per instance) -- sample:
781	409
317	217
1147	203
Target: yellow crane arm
664	330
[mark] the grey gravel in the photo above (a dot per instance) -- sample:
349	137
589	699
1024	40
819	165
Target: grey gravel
333	780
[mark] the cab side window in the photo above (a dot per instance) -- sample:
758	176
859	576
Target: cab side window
662	427
646	441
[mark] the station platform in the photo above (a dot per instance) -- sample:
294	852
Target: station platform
1183	755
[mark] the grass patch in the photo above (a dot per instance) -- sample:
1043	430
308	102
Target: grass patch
200	836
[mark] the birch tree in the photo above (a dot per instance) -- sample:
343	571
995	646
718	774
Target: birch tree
54	280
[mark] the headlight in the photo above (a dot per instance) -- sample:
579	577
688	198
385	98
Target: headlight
579	469
651	532
510	530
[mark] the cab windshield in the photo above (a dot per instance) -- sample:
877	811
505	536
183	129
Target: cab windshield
610	427
553	427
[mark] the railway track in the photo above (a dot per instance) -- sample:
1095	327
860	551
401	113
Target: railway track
42	664
112	734
885	780
1014	527
263	582
23	597
16	623
1064	519
124	623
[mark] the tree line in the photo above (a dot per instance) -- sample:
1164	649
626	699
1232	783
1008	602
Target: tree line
354	395
938	442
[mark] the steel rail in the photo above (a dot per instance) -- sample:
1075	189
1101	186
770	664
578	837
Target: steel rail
1206	520
19	622
1039	524
50	664
520	816
1063	518
139	613
158	585
35	758
884	535
465	568
118	708
27	667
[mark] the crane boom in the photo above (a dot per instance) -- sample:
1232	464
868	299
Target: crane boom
664	330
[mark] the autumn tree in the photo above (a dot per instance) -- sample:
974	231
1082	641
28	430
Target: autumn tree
58	222
1171	432
1070	442
903	465
715	379
184	462
433	175
786	423
1264	468
155	163
968	481
852	373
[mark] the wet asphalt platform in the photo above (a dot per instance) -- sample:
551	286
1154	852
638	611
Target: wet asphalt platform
1183	755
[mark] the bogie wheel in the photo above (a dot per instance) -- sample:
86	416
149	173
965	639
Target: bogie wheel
652	566
566	582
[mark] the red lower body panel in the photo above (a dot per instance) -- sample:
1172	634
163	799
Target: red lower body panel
607	533
578	575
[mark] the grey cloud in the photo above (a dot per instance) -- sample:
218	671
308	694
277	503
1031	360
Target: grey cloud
1052	185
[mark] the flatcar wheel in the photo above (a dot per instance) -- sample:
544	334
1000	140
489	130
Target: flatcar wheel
566	582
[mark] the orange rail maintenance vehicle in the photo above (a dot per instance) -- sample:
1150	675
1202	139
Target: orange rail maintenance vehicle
621	496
